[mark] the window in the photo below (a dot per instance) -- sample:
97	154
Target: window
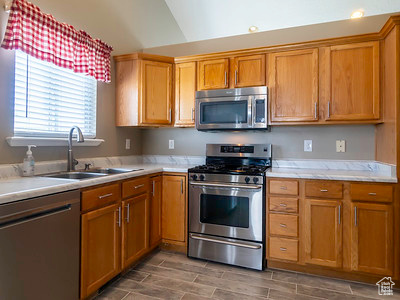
49	100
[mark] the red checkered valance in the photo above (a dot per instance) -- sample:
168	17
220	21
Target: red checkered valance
41	36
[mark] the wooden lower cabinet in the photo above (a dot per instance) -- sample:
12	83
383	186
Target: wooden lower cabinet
372	238
174	208
155	210
323	232
100	248
135	228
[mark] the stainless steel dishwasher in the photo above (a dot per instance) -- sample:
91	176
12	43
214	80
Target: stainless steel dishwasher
39	248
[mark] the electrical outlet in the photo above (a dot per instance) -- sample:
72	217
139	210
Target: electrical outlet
308	145
340	146
128	144
171	144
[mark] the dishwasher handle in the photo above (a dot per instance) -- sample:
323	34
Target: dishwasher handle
34	215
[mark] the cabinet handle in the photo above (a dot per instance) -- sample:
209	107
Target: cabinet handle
193	114
283	187
152	184
170	115
340	214
236	73
324	191
226	78
283	225
139	186
105	196
315	111
329	109
355	216
282	249
283	204
181	186
119	216
127	213
372	194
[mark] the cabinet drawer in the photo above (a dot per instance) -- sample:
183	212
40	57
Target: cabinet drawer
324	189
280	224
135	187
283	204
281	248
371	192
284	187
100	196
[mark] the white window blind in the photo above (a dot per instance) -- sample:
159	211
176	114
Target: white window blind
49	100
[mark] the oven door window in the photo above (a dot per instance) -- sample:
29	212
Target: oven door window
224	112
224	210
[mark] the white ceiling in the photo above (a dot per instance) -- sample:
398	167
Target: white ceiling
207	19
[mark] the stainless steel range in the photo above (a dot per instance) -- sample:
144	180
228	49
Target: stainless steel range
226	205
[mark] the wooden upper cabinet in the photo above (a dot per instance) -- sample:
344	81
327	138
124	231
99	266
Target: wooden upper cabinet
248	71
323	232
100	248
185	90
293	86
372	238
352	82
213	74
143	90
156	93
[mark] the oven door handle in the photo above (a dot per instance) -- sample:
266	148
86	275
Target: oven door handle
220	241
228	185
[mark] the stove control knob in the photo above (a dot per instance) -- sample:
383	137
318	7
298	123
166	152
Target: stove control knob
201	177
247	179
255	179
194	176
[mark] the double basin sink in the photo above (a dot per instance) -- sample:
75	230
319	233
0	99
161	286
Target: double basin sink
94	173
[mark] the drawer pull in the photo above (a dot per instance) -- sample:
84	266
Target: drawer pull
139	186
324	191
105	196
282	249
283	225
372	194
283	204
283	187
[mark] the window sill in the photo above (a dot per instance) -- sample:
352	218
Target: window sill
17	141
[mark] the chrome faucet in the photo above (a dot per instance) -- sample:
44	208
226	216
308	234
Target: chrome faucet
71	161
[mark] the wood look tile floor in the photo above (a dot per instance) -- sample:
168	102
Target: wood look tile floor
166	275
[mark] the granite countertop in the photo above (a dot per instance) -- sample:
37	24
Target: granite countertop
346	175
19	188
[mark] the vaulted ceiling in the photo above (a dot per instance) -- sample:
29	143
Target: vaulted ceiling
131	25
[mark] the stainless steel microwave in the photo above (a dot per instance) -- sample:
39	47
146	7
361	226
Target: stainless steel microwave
232	109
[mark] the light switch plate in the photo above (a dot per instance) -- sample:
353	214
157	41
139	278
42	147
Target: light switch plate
171	144
128	144
340	146
308	145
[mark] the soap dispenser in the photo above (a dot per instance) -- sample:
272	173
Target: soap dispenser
28	168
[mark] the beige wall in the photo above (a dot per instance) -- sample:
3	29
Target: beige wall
287	141
114	137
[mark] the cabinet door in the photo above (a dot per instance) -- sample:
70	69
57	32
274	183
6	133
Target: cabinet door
174	208
100	248
293	85
135	229
372	238
353	82
156	93
155	210
185	90
323	232
248	70
213	74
